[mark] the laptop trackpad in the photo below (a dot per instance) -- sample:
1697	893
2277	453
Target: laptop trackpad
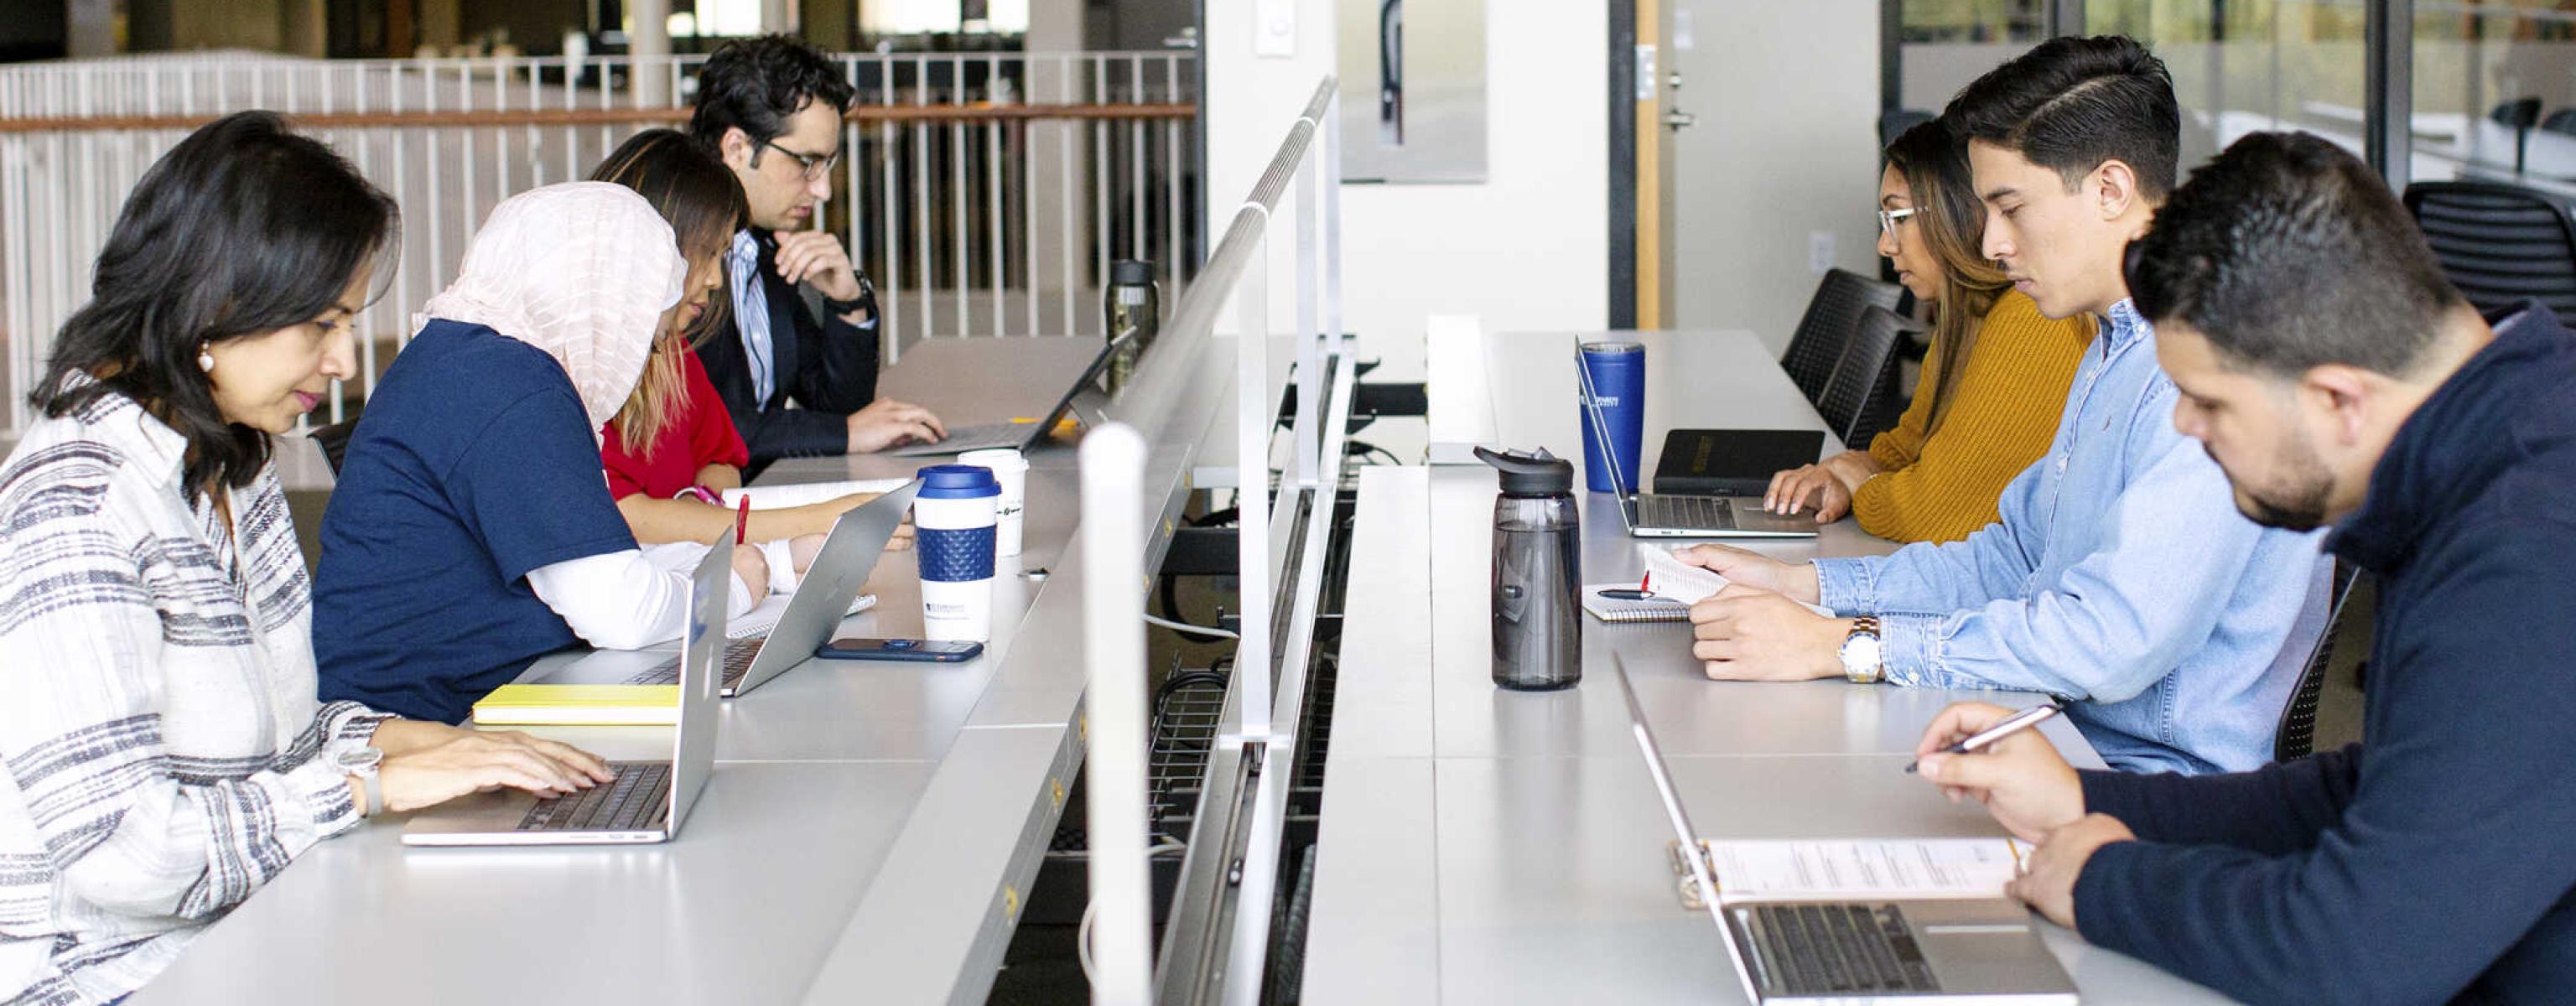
482	813
1988	946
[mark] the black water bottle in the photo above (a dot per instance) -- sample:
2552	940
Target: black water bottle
1538	544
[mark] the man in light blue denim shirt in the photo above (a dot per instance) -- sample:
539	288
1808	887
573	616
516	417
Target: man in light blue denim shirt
2120	573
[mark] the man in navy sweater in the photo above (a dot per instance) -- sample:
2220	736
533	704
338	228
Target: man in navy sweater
2340	379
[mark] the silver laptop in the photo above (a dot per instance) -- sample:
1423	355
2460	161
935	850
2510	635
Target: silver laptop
648	800
839	571
1654	515
1018	436
1791	952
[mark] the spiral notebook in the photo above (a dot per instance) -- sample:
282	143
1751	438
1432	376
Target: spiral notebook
1611	609
1676	586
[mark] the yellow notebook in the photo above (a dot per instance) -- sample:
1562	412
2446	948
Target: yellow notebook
586	705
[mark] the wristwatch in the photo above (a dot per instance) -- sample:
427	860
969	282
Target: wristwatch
362	762
1860	652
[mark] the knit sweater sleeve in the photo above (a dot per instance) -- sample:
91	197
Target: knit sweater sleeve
2001	418
1900	445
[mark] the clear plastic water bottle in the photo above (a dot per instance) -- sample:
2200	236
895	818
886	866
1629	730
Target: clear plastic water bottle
1538	547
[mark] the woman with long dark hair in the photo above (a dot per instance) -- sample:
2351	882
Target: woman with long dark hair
165	751
1992	387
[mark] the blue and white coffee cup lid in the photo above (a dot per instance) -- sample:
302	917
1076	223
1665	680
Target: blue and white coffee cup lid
957	482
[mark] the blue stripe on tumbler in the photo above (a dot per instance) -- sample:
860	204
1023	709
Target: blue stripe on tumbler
1618	371
955	556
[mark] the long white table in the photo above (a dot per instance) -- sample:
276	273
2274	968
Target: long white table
869	833
1486	846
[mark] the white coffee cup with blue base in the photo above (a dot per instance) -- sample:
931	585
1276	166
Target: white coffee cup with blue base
953	521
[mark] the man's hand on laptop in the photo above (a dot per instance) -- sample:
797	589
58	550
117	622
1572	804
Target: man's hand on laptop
1797	580
474	761
2021	779
887	423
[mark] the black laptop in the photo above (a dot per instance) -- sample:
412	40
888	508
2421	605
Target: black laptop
1731	462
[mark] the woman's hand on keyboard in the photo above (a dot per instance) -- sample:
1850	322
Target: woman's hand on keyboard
476	761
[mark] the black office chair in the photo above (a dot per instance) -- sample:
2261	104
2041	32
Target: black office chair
1827	327
334	440
1858	397
2501	243
2297	735
2561	121
2523	114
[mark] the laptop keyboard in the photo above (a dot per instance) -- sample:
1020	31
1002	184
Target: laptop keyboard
637	800
1711	512
1847	949
737	662
971	438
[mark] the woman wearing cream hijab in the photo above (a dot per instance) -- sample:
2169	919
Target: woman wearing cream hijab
472	530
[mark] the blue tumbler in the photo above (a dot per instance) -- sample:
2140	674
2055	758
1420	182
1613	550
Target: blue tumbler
1613	376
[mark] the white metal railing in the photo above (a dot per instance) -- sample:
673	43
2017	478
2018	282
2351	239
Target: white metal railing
1217	936
984	193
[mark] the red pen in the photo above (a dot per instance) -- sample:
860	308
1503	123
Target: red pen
742	520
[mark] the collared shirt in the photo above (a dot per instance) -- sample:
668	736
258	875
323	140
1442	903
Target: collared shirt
2120	574
751	312
164	754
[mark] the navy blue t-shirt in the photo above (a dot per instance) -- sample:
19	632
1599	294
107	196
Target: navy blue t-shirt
472	465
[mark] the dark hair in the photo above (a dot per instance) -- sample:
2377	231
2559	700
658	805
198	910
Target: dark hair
2070	104
694	192
242	228
1951	223
703	202
2287	252
755	84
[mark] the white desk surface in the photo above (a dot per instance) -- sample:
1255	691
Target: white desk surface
1487	846
867	797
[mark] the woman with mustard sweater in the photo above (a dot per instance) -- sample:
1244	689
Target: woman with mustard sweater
1992	387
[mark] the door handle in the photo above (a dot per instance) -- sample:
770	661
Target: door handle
1678	120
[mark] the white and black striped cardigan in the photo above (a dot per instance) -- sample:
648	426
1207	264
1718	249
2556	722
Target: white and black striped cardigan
164	751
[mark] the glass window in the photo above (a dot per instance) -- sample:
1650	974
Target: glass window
2238	65
1944	44
2495	92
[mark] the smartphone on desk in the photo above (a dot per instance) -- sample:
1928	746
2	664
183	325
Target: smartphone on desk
856	648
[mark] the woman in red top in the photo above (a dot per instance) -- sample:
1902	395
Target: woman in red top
672	449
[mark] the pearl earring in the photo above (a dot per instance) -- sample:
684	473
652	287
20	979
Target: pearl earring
205	360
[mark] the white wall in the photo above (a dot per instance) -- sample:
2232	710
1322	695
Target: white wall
1525	250
1786	145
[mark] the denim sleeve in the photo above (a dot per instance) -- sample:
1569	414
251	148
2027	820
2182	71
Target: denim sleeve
2116	620
1991	563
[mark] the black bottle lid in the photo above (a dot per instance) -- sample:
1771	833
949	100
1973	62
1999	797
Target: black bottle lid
1130	272
1535	473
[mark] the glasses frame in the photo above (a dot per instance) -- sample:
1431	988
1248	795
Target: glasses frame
1888	219
817	166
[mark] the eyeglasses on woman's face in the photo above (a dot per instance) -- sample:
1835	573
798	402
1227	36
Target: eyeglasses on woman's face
1888	219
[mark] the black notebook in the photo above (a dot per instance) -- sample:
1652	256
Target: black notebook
1731	462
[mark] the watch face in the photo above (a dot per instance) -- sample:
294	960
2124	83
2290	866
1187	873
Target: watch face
1860	655
364	759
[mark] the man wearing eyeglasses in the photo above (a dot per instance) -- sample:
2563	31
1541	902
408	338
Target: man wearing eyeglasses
771	109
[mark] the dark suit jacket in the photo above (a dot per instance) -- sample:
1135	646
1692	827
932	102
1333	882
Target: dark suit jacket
826	366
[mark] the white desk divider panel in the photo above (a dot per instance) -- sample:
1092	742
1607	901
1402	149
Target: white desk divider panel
1113	644
1461	401
1217	940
